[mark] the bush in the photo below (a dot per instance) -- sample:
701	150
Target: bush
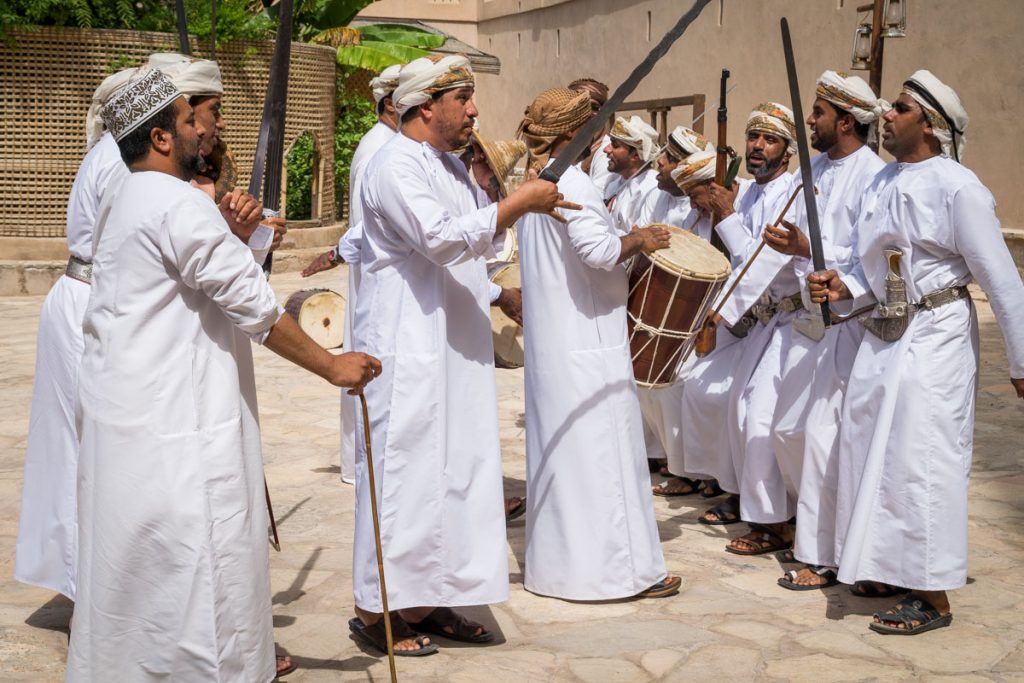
355	116
299	188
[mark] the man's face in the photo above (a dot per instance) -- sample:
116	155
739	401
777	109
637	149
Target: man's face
186	141
209	121
453	116
766	155
905	127
666	164
622	158
597	99
823	121
482	173
700	197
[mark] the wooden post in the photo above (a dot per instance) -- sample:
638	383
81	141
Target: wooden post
875	61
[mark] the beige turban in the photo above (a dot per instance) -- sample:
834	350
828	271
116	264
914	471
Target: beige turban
776	119
501	157
851	94
384	84
192	77
695	169
942	107
421	78
110	86
682	142
555	112
638	135
138	102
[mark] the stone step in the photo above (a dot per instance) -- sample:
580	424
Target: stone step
29	278
323	237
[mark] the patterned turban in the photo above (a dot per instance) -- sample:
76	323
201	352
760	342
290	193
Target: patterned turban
851	94
776	119
638	135
943	110
695	169
192	77
555	112
422	78
384	84
138	102
682	142
111	85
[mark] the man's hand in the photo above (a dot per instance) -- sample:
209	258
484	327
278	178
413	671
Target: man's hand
787	239
827	284
242	212
541	196
320	263
280	226
1018	384
652	238
510	301
722	199
353	370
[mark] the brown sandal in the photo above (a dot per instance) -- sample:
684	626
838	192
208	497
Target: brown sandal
374	635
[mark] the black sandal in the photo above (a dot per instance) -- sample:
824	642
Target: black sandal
724	513
665	489
915	609
763	539
374	635
827	573
711	489
463	630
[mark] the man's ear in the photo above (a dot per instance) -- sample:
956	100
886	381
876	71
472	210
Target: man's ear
427	109
161	140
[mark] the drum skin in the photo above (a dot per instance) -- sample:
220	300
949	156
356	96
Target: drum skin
669	296
508	335
320	313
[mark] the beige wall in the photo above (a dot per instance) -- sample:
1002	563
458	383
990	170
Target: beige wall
973	46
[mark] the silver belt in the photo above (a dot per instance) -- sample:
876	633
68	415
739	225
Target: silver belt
941	297
79	270
766	309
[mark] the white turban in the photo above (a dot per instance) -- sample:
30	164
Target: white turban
942	107
193	77
682	142
638	135
138	102
421	78
776	119
695	169
851	94
110	86
385	84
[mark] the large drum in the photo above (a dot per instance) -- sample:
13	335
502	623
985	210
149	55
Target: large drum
320	313
508	335
670	292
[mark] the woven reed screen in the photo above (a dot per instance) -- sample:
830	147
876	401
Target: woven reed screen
48	75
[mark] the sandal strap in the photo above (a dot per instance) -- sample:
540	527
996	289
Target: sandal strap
907	612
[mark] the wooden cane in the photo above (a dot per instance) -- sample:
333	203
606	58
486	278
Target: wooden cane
706	341
376	538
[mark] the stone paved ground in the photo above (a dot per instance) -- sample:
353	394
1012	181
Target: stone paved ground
731	622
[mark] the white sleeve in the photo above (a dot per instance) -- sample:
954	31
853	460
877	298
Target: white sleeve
209	258
979	240
350	243
592	236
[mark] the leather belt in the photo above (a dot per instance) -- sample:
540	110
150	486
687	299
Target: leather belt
79	270
766	309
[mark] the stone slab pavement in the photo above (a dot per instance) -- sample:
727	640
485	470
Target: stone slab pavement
730	622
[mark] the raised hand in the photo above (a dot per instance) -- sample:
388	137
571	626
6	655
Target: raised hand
787	239
242	212
826	284
542	196
722	199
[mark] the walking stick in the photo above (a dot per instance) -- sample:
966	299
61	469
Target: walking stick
273	524
376	538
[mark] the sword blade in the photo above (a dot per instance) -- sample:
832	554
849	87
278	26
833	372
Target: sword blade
270	143
186	49
810	202
582	141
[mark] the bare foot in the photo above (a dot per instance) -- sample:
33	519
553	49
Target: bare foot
405	645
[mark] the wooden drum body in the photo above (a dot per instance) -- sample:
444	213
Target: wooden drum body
670	293
508	335
320	313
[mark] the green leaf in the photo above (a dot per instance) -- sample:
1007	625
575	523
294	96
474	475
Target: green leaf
402	35
377	56
334	13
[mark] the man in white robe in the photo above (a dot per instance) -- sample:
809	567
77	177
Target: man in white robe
805	429
631	151
596	164
423	309
591	533
173	579
662	407
47	537
716	395
908	419
347	250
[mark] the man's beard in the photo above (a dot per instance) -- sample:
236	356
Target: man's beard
189	162
768	167
822	141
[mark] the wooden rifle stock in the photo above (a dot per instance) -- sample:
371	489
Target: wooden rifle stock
722	156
